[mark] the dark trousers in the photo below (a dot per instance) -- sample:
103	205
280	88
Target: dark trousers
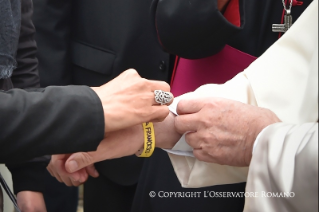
104	195
58	197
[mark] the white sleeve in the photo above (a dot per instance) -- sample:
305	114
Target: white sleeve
284	79
285	162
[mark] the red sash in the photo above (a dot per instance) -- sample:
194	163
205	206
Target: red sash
219	68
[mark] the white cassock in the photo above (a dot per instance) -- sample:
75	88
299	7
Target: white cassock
285	80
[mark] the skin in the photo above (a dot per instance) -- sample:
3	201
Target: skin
79	166
31	201
222	131
74	169
128	100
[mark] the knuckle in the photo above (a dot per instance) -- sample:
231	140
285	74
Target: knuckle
165	86
131	71
181	106
86	158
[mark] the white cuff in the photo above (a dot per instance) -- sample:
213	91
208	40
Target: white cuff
258	138
181	147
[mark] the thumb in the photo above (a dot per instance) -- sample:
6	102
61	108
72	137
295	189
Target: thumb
78	161
189	106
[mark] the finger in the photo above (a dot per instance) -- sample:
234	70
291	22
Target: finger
49	170
160	97
187	123
159	113
79	176
62	173
92	171
189	106
78	161
130	73
193	140
55	175
67	181
159	85
55	169
76	183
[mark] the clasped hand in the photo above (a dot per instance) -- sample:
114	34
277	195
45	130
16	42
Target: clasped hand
220	130
127	101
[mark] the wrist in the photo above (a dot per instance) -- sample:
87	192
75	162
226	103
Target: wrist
165	133
149	140
265	120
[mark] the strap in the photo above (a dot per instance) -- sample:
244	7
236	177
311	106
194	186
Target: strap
9	193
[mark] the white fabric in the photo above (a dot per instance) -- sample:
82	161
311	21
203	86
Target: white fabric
284	79
285	161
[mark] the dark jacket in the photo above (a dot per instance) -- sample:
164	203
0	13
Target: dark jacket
27	175
90	43
27	118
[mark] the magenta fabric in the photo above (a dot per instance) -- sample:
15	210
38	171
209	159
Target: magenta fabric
219	68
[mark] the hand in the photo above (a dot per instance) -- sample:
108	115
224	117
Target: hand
123	143
31	201
57	169
222	131
129	100
116	144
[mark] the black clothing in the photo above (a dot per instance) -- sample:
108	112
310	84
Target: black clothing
58	197
91	42
158	174
27	175
181	32
26	118
49	121
102	194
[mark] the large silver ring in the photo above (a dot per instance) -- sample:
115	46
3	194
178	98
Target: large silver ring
162	97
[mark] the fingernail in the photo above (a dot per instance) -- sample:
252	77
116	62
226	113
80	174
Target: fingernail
96	173
74	180
73	165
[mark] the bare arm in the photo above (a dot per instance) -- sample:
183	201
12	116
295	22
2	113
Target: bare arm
116	144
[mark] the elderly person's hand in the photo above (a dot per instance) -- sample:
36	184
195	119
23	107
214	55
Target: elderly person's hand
220	130
129	100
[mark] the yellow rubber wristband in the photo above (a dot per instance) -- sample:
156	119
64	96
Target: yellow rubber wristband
149	139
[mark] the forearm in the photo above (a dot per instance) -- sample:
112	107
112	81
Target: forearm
54	120
165	133
130	140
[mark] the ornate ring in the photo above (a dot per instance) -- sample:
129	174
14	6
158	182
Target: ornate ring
162	97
